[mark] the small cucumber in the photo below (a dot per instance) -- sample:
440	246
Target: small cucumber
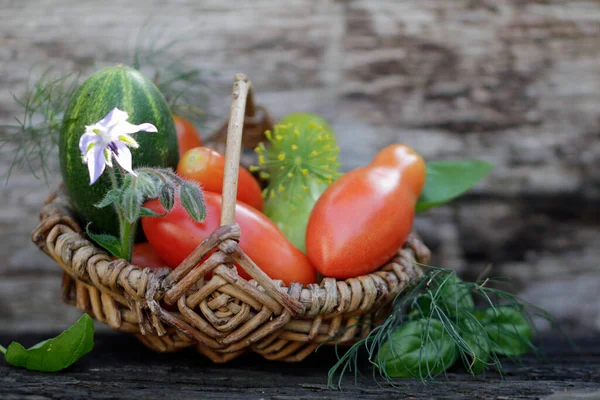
299	161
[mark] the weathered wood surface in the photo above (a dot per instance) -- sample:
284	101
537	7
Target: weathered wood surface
513	82
120	368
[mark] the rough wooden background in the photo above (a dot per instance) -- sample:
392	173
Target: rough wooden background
515	82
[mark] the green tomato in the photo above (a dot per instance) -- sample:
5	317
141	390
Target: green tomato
418	349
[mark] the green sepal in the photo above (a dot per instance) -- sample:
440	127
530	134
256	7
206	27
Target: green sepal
146	212
111	197
167	197
192	200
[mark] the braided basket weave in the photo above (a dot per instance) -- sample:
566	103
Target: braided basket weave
225	316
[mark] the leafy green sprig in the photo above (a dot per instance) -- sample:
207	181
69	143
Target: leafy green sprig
35	133
187	89
128	199
435	323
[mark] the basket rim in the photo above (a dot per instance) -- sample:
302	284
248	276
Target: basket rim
57	219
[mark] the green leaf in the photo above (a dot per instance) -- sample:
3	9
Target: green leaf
447	180
453	294
421	306
418	349
109	243
167	197
146	212
58	353
148	184
508	329
131	204
112	196
476	346
193	201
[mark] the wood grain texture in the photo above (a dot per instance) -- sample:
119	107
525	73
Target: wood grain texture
120	368
516	83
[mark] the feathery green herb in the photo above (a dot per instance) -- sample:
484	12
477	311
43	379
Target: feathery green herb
129	196
33	139
436	316
186	88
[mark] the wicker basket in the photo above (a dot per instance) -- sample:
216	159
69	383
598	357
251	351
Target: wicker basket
225	316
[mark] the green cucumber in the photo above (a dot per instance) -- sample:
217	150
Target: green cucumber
127	89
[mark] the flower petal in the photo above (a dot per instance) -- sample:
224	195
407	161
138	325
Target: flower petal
86	140
96	163
123	157
125	128
114	117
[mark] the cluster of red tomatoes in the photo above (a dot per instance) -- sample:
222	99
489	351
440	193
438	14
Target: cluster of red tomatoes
357	224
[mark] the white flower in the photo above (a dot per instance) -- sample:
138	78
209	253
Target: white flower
107	138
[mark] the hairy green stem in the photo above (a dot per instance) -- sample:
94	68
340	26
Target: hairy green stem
2	349
127	232
126	229
115	185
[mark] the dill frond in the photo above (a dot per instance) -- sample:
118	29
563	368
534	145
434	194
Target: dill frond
187	89
441	297
32	140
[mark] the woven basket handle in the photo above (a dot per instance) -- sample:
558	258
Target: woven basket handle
242	105
188	272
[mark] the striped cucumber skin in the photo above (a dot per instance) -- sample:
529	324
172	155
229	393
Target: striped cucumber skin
127	89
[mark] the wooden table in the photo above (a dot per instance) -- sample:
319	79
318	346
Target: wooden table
120	367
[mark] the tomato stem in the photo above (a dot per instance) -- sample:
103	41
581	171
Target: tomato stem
2	349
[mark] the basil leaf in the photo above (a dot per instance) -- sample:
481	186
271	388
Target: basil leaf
420	306
447	180
476	347
508	330
110	243
55	354
417	349
453	294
